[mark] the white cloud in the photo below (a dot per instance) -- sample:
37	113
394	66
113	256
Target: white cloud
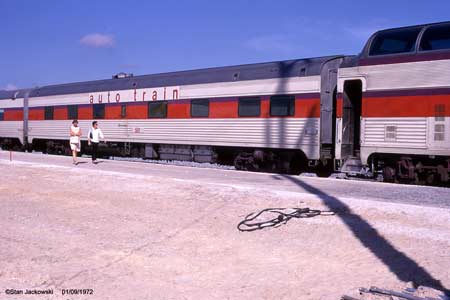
10	87
98	40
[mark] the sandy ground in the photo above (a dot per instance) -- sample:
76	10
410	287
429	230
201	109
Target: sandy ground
129	236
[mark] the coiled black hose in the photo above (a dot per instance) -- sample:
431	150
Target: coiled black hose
283	215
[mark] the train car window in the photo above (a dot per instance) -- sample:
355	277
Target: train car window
157	109
200	108
98	111
2	114
395	42
439	112
390	133
249	107
48	113
281	106
439	132
123	111
436	38
72	112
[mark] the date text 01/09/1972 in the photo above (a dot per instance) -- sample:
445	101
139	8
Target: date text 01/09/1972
77	292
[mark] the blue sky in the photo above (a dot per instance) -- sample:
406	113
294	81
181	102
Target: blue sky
49	42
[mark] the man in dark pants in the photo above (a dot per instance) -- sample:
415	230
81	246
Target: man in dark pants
94	136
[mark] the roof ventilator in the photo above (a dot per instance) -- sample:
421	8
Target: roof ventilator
122	75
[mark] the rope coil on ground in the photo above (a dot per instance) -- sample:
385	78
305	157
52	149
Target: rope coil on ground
283	215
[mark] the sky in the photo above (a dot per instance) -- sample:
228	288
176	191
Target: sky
60	41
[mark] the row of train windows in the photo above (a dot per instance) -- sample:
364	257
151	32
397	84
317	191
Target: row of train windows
404	40
72	112
98	112
280	106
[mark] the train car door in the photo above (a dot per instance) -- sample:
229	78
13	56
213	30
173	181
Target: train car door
348	127
328	92
123	123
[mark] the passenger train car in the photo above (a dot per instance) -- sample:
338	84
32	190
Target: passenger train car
393	108
383	112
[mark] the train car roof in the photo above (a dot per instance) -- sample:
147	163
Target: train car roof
422	27
267	70
6	94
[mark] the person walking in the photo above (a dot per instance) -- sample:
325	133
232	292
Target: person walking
75	143
95	134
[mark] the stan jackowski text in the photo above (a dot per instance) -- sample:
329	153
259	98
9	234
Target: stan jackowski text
28	292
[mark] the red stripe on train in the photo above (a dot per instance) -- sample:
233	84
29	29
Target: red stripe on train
406	106
13	115
35	114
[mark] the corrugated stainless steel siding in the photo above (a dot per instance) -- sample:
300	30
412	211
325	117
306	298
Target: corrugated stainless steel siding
9	103
411	75
410	132
11	129
287	133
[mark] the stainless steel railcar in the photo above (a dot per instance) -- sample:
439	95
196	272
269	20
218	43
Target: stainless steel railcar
394	105
383	112
260	115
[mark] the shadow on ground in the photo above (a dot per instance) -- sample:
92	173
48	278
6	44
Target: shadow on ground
404	267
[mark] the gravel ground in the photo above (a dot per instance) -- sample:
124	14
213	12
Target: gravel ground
166	232
385	192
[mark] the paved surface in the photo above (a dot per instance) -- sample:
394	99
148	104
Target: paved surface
142	231
395	193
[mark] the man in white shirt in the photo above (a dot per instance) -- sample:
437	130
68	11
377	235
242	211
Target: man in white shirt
94	136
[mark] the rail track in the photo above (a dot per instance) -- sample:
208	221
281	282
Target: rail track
306	173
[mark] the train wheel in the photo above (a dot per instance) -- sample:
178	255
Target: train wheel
389	174
418	179
430	178
240	161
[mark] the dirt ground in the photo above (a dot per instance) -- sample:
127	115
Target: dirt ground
145	237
